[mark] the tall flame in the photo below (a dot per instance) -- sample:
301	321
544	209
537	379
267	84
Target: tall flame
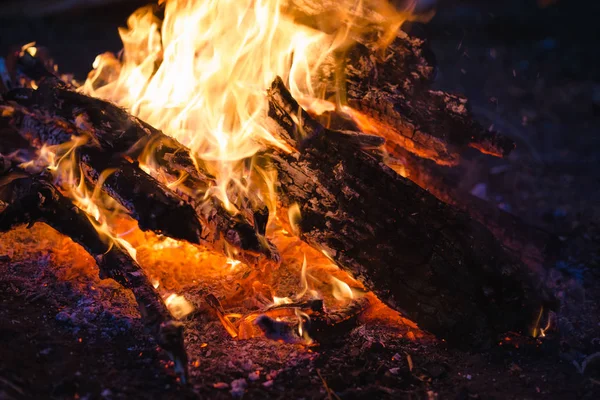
201	73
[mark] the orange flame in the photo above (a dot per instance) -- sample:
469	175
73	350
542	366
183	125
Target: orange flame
100	208
201	73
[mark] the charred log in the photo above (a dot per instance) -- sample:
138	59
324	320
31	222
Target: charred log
419	255
391	87
151	203
29	199
532	245
47	120
329	325
13	146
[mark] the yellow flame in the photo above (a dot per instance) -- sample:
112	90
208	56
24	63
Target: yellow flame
303	318
341	290
294	216
536	326
29	48
233	264
282	300
62	162
200	74
166	243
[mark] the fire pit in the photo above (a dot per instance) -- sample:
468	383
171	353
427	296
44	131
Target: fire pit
261	179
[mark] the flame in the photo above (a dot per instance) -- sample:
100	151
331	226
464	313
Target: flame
341	290
294	217
303	319
233	264
101	209
29	48
178	306
282	300
201	73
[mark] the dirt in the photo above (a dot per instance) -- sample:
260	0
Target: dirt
67	334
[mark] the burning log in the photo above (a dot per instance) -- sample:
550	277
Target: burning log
30	199
151	203
57	113
419	255
391	90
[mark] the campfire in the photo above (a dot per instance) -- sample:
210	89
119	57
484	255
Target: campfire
271	164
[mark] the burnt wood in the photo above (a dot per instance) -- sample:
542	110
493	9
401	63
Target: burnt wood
151	203
420	256
534	246
328	326
392	86
324	326
30	199
53	113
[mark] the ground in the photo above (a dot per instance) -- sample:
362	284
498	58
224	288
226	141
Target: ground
529	73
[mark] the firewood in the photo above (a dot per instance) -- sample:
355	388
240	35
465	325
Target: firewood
392	88
532	245
30	199
52	114
327	326
13	146
419	255
151	203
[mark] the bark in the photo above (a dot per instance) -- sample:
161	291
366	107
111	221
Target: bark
30	199
419	255
151	203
